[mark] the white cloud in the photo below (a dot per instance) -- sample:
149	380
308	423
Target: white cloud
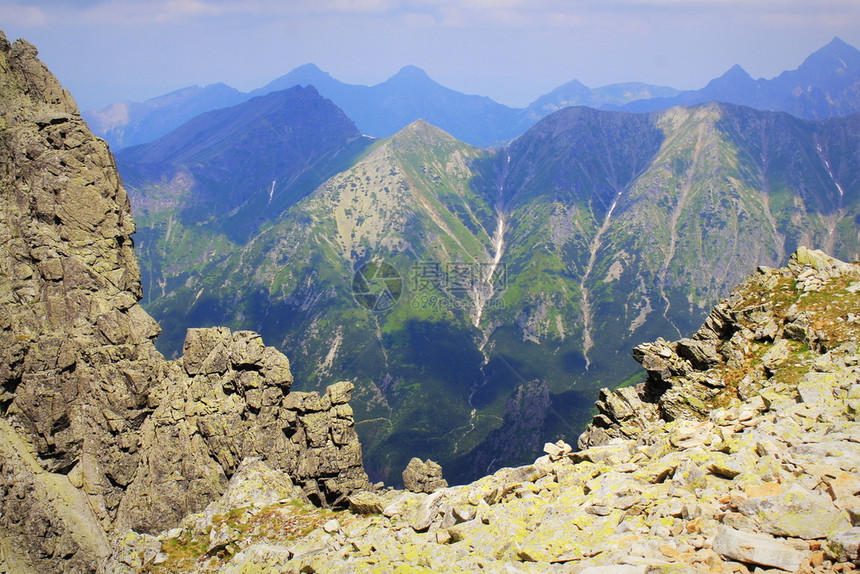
26	16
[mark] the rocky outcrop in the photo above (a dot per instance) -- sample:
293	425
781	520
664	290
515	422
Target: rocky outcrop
78	362
764	480
423	476
99	432
230	399
688	378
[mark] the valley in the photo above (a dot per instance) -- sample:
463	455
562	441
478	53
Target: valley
545	260
324	309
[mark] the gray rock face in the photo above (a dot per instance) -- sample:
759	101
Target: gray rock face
688	378
99	432
78	359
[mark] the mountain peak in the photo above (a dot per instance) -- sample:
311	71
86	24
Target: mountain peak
423	131
736	72
306	74
735	81
411	73
839	44
737	69
309	67
837	54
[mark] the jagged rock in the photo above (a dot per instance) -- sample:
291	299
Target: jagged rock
624	413
557	450
132	552
339	393
366	502
686	378
776	355
255	485
423	476
259	557
102	433
702	354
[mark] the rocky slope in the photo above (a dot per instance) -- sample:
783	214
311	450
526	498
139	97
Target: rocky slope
740	453
98	432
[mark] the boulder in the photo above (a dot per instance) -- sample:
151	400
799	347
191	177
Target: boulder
423	476
758	549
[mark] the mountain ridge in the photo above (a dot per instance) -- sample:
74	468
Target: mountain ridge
591	230
382	109
826	84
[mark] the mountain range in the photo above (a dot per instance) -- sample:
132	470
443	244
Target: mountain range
476	298
739	450
825	85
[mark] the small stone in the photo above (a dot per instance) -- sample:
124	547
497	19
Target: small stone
331	526
443	536
816	558
760	490
844	546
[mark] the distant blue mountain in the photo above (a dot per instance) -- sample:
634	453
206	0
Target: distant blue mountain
125	124
827	84
386	108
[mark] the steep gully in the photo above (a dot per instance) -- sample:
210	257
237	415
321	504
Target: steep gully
593	248
831	220
485	290
686	191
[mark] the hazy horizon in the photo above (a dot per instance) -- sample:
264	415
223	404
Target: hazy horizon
513	51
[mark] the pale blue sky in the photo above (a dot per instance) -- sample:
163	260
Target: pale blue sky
510	50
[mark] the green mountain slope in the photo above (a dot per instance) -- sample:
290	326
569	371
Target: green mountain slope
413	201
207	187
444	280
